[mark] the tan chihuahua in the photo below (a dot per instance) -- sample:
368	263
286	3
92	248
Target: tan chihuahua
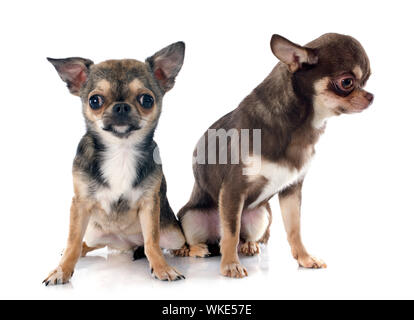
120	191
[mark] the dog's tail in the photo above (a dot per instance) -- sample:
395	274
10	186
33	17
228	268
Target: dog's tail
139	253
213	249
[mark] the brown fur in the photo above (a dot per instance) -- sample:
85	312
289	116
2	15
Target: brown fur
289	108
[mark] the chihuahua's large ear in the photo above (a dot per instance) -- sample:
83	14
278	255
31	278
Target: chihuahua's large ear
292	54
74	71
166	63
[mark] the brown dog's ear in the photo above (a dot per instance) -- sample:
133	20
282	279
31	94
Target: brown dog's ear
291	54
166	63
74	71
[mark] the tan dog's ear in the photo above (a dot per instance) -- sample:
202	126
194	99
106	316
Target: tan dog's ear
291	54
166	63
74	71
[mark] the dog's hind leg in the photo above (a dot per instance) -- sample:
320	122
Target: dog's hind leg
200	223
200	227
255	225
86	249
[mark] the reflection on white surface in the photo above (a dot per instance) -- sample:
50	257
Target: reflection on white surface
272	275
105	270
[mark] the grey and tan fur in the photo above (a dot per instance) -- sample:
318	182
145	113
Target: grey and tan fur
309	85
120	196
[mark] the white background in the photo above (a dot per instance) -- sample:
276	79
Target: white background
357	202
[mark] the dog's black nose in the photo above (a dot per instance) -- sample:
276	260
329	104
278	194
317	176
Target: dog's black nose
121	109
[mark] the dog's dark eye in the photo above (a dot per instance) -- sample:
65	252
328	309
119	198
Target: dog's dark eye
347	83
96	101
146	101
344	85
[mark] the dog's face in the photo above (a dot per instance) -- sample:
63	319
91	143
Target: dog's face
122	97
330	71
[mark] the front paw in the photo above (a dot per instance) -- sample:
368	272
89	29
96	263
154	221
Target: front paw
58	276
233	270
310	262
166	273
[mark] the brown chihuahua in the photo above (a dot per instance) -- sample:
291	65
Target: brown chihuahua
287	112
120	191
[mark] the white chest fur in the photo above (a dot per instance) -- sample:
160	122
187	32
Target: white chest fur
278	176
118	167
